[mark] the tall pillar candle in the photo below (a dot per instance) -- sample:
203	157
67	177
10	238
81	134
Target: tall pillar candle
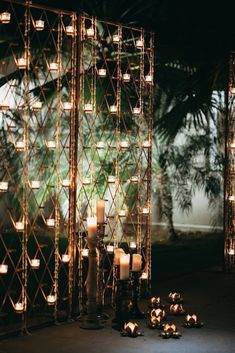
100	211
92	227
124	266
136	263
117	254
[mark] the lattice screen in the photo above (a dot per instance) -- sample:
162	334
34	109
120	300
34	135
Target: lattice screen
76	126
229	215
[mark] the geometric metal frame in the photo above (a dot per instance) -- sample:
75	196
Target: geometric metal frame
76	127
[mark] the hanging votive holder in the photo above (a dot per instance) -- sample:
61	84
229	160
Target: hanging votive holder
148	79
134	179
35	263
21	63
102	72
53	67
50	222
111	179
113	109
19	226
116	38
136	111
90	32
110	249
20	145
67	106
66	183
88	107
51	299
19	307
126	77
51	145
69	30
5	17
85	252
139	43
37	106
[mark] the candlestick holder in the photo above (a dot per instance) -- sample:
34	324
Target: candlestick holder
135	311
91	321
100	282
122	299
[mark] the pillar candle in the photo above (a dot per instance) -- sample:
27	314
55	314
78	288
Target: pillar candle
117	254
100	211
124	266
136	262
92	227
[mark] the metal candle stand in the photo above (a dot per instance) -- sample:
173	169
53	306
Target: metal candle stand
135	311
91	321
122	312
100	291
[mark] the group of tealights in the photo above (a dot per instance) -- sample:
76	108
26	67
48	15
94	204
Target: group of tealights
157	316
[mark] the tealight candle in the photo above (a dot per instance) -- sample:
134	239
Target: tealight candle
231	198
5	17
232	144
100	145
51	145
145	210
65	258
86	181
19	307
117	254
20	145
3	269
113	109
134	179
144	275
51	299
67	105
136	110
35	184
136	262
92	227
116	38
90	32
122	213
232	90
35	263
124	144
69	30
3	186
111	179
148	78
110	249
4	105
102	72
37	106
139	43
231	252
66	183
50	222
21	63
100	211
19	226
133	245
146	144
126	77
53	67
85	252
88	107
39	25
124	266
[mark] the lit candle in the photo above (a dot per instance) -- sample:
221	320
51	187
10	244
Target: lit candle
19	307
110	249
21	63
85	252
100	145
133	245
146	144
37	106
88	107
100	211
35	184
136	262
111	179
232	89
35	263
102	72
39	25
90	32
139	43
53	67
50	222
20	145
124	266
136	110
148	78
67	106
122	213
145	210
134	179
3	186
116	38
126	77
86	181
69	30
92	227
124	144
51	299
3	268
232	144
231	252
231	198
113	109
117	254
4	105
144	275
19	226
66	183
5	17
51	145
65	258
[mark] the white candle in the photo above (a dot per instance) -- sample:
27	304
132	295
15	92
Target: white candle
232	89
35	263
90	32
37	106
100	145
69	30
3	268
117	255
86	181
50	222
144	275
21	63
51	299
139	43
19	226
102	72
111	179
145	210
85	252
53	67
134	179
231	198
116	38
3	186
146	144
51	145
5	17
122	213
124	266
35	184
100	211
136	110
66	183
19	307
124	144
231	252
133	245
20	145
126	77
92	227
88	107
65	258
4	105
113	109
136	262
110	249
39	25
148	78
67	105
